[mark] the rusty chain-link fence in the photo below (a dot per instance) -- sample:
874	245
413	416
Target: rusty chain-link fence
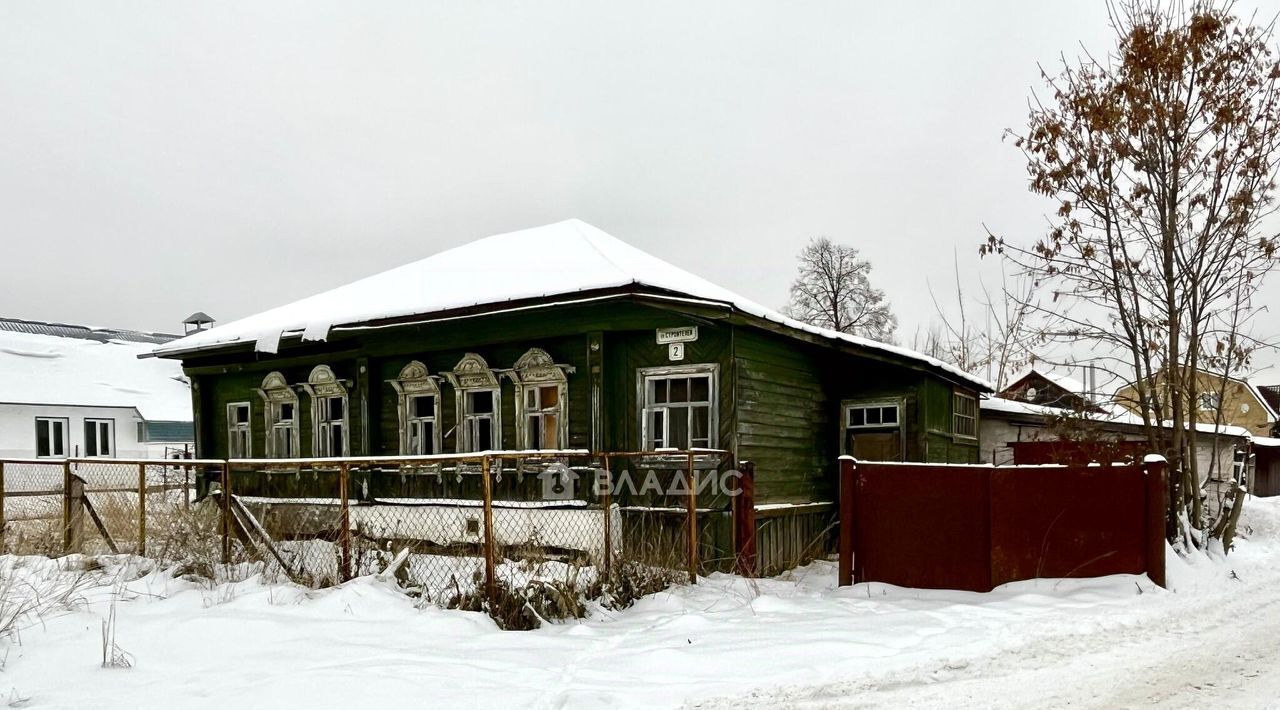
520	534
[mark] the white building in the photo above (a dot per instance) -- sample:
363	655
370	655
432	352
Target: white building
69	390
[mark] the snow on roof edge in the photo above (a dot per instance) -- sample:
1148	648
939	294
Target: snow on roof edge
603	262
1011	406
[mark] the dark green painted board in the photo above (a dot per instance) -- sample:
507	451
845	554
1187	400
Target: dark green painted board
779	398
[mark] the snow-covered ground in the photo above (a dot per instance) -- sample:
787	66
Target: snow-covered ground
1212	640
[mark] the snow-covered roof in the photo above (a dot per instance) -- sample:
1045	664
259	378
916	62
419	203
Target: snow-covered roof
551	261
1114	415
1267	441
86	332
1069	384
50	369
1272	414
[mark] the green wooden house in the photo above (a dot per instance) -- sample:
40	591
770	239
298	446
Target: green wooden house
565	337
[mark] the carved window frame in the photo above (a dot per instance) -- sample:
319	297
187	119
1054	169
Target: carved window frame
322	385
533	371
275	392
414	381
473	375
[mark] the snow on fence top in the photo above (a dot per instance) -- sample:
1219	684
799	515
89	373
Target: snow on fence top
505	267
53	370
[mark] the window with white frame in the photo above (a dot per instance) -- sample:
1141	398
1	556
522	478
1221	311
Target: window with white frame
239	444
479	420
284	430
281	416
419	410
543	414
964	415
51	436
328	413
99	437
479	414
331	426
541	401
876	415
872	429
421	434
678	407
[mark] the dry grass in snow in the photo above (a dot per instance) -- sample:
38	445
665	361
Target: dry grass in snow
796	640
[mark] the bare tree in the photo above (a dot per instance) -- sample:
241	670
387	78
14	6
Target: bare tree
994	341
1161	159
833	290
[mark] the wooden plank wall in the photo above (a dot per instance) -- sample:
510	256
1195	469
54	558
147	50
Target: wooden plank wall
785	423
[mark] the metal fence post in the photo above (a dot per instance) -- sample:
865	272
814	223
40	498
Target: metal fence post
490	583
226	513
691	507
142	510
848	488
606	504
344	519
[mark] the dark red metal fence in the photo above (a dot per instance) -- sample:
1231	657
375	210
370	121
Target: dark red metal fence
1079	453
978	527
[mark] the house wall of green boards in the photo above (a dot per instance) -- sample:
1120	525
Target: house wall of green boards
778	398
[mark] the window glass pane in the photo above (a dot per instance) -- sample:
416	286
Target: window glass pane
59	438
42	437
550	431
105	446
873	416
549	396
241	415
480	402
889	415
701	425
531	398
656	437
424	406
337	405
415	438
701	389
533	432
484	434
680	389
428	445
857	417
90	438
657	391
678	427
338	448
286	412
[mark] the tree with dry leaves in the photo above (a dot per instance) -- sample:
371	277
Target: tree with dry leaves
1161	159
833	290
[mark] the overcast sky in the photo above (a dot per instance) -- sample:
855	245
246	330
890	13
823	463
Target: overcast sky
158	158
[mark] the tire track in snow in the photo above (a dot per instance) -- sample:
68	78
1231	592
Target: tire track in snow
1186	654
